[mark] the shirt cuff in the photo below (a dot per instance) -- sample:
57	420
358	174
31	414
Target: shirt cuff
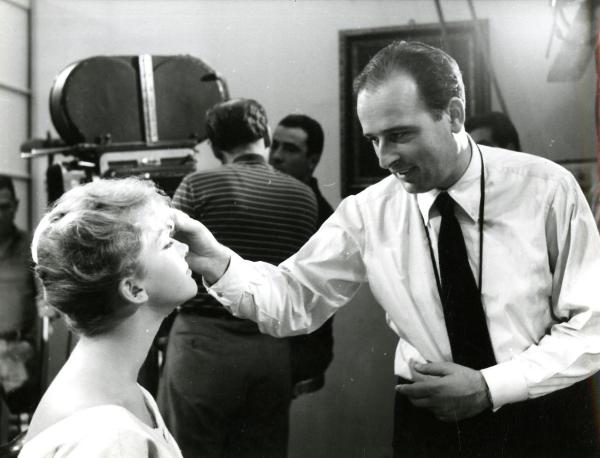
228	288
506	383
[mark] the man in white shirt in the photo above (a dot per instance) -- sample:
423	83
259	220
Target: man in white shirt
533	251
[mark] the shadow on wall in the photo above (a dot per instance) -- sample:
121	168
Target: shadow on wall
352	415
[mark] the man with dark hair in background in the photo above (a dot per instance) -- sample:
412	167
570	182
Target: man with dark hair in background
225	389
485	260
493	129
19	373
296	150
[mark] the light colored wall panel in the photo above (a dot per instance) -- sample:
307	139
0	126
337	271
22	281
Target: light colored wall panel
22	191
13	121
14	44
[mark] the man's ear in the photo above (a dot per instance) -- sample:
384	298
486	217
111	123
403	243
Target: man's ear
313	161
456	109
132	290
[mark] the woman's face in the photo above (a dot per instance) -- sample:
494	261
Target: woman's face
165	276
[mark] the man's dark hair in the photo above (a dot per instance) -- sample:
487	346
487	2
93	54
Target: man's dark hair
503	130
6	182
236	122
314	131
436	73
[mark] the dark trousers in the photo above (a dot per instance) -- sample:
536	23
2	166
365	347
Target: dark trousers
561	424
225	389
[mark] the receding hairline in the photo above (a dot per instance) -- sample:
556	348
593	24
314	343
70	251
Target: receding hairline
395	74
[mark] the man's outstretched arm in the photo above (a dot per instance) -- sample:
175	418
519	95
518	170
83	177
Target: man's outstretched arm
295	297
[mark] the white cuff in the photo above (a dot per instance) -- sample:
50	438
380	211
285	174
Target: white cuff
228	288
506	383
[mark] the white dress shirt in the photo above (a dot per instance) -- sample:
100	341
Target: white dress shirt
541	272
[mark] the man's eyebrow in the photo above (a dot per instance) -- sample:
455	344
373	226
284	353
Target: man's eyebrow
287	144
402	128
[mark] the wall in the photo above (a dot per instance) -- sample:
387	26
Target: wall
14	99
285	54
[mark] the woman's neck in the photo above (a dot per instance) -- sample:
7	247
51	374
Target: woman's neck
120	352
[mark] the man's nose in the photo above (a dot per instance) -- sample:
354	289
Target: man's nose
383	151
276	153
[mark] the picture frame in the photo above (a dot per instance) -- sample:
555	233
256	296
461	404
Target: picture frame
359	165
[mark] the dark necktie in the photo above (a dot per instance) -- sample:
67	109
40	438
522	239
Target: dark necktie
461	301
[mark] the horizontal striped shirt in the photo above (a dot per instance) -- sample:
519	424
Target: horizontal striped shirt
260	213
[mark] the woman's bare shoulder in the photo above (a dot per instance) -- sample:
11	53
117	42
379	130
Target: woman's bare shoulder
65	397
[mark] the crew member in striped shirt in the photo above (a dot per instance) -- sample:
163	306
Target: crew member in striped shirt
226	388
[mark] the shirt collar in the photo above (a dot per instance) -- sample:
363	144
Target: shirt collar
465	192
250	158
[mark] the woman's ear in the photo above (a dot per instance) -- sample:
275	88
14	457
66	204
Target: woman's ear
132	290
456	108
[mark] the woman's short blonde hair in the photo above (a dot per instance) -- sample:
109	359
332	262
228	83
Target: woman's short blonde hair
86	244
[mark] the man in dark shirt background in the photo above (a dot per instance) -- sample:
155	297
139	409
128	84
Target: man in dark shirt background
18	311
296	150
493	129
226	389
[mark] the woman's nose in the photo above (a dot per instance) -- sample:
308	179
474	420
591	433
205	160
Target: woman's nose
182	248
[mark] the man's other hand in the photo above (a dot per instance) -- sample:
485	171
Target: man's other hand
450	391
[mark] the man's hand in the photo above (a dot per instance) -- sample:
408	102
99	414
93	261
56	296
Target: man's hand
450	391
206	257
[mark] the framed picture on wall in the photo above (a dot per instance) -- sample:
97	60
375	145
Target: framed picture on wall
359	165
586	173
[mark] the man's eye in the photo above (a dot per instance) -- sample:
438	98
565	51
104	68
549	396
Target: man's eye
373	140
169	244
398	137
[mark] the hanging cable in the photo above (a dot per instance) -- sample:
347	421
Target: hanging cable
438	7
486	59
